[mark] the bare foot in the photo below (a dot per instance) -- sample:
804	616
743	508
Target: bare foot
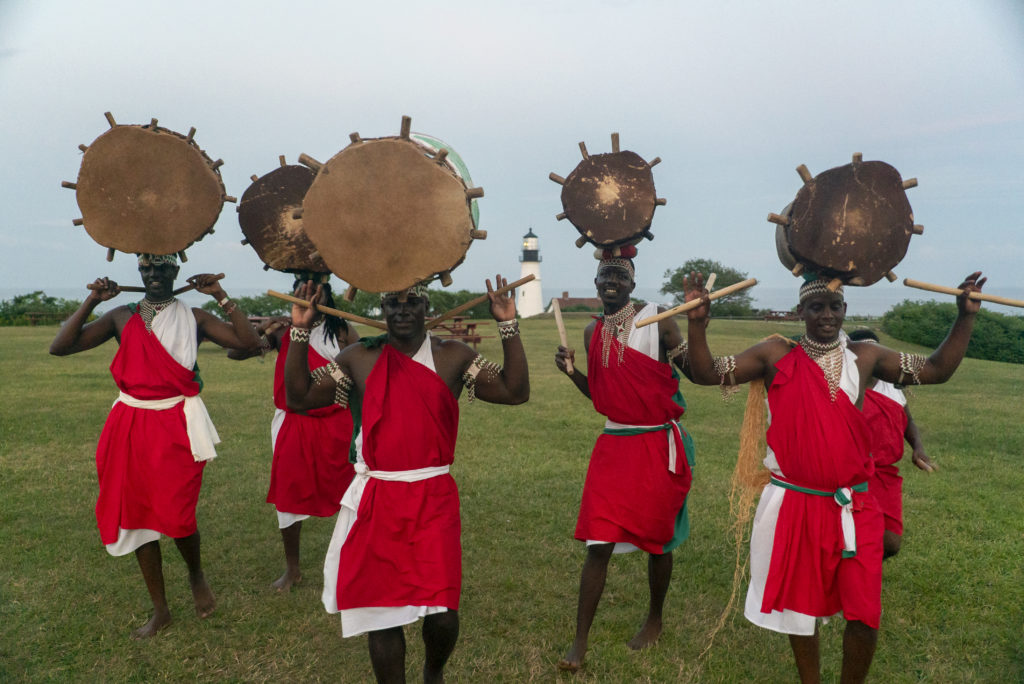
573	660
287	580
647	636
159	620
202	595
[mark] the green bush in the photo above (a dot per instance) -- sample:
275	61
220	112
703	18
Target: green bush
996	337
36	308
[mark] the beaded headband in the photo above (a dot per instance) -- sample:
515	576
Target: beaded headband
158	259
816	286
621	257
418	290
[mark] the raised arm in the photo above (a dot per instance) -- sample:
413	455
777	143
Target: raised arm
908	369
751	364
76	335
302	393
239	334
511	384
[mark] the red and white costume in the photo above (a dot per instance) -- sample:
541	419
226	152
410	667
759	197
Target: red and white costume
157	437
396	553
884	409
640	469
813	555
310	469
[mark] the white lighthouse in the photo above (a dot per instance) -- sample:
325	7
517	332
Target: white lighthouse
529	301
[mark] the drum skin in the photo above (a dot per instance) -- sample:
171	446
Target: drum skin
610	198
147	190
266	215
384	215
853	222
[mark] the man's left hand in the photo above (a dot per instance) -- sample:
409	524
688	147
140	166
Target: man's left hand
923	462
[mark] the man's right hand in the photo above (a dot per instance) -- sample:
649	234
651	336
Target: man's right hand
561	355
103	290
303	316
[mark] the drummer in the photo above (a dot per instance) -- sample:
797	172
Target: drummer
820	461
400	559
310	469
640	473
158	436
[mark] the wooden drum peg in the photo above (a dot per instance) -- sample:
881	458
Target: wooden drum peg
406	127
891	277
559	217
110	254
441	155
152	123
580	241
918	229
805	175
654	162
78	222
834	284
474	193
648	234
858	157
350	294
615	143
229	198
446	278
182	256
83	147
354	137
478	234
661	201
245	242
781	220
281	161
310	163
583	150
798	270
254	178
69	185
909	183
191	134
110	120
555	177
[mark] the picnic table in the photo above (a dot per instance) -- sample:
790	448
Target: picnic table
460	328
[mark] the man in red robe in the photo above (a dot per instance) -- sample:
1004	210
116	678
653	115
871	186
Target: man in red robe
890	423
639	476
816	546
396	553
158	436
310	469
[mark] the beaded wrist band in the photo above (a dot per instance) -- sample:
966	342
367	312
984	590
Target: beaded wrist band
227	306
508	329
299	334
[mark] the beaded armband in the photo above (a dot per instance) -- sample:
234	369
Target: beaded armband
679	353
910	365
477	365
299	334
725	367
508	329
343	383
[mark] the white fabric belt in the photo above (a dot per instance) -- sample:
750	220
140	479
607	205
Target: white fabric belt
354	493
612	425
202	435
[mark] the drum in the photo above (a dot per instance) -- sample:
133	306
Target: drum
387	213
268	214
610	198
147	189
852	223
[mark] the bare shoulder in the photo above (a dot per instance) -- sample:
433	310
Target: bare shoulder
453	352
771	349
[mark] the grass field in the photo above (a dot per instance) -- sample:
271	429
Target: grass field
953	598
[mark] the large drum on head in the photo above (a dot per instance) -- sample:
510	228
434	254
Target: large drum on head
269	216
147	189
387	213
610	198
852	223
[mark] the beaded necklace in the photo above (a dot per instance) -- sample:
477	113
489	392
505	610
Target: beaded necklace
829	357
148	310
622	323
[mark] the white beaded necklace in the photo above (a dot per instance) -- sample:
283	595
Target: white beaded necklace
622	323
148	310
829	357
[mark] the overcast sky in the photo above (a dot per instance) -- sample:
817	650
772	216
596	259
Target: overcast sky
731	95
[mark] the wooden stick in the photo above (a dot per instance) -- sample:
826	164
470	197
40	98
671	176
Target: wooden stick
328	310
981	296
557	309
136	288
434	322
709	284
724	292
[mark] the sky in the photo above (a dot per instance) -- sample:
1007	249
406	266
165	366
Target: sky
732	96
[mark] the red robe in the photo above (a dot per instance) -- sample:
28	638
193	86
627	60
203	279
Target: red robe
404	548
629	494
823	445
310	470
148	476
888	422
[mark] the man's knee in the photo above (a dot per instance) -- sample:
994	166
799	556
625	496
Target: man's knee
600	553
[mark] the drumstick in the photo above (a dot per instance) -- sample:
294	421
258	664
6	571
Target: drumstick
136	288
981	296
434	322
328	310
557	308
724	292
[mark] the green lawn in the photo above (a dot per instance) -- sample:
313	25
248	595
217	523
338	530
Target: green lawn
953	598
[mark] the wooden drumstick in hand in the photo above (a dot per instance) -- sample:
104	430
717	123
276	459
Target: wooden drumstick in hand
557	309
